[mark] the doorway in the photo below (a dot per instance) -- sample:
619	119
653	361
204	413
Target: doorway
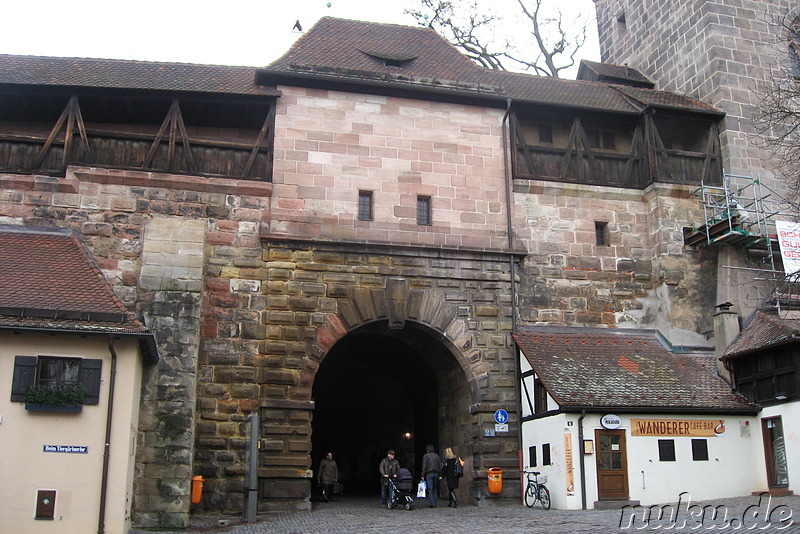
775	451
612	465
378	389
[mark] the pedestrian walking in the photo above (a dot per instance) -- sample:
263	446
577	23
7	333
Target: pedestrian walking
388	469
328	475
431	472
452	470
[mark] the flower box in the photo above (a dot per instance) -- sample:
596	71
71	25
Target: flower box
35	407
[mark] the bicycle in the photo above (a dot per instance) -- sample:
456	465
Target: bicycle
536	490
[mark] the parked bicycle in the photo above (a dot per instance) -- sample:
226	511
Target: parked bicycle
536	490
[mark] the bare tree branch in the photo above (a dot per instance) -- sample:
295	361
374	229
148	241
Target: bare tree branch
554	47
777	117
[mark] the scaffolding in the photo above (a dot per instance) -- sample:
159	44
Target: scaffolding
742	212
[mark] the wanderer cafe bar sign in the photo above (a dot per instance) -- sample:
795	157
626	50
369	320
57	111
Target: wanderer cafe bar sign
694	428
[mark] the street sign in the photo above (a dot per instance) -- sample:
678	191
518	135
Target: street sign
501	417
501	428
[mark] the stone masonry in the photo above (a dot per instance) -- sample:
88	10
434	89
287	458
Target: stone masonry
722	52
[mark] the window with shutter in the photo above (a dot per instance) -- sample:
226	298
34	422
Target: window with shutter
54	372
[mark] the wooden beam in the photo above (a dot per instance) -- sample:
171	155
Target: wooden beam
265	128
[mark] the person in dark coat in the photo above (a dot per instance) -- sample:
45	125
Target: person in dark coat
451	476
328	475
431	471
388	469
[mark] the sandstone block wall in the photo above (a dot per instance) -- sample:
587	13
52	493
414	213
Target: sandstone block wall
329	145
643	278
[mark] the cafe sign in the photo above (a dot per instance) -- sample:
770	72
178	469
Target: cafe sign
695	428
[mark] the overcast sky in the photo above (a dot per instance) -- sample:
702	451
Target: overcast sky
232	32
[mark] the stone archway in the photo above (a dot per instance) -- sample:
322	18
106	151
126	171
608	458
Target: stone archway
451	312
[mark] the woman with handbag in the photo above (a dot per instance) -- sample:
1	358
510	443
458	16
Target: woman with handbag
452	470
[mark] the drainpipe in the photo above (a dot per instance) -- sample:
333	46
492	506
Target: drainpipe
513	271
583	464
106	451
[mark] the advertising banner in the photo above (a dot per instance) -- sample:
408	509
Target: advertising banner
789	242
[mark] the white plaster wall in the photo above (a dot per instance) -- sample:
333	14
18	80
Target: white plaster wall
75	477
790	417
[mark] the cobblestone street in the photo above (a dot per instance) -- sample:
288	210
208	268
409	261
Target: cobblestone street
355	515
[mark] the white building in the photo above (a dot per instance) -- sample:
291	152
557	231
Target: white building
615	417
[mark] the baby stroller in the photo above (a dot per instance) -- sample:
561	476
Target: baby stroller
402	489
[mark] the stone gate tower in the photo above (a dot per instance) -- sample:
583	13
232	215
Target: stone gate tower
719	51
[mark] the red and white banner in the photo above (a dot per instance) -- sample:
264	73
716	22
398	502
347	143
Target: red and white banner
789	242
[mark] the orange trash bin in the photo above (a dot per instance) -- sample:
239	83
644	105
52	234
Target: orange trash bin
495	479
197	489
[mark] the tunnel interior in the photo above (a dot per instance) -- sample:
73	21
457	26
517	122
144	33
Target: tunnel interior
380	390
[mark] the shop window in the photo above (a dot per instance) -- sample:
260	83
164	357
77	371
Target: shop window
532	456
424	210
666	450
365	206
56	372
546	454
700	450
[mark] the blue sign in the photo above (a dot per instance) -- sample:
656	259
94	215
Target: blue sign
501	417
73	449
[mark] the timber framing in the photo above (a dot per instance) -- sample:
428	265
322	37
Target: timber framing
177	134
622	152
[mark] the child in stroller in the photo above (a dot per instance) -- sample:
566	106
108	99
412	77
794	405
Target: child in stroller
402	489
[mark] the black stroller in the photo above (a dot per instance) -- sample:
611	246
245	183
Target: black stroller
402	489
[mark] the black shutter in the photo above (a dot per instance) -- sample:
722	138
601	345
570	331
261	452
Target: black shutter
90	378
24	376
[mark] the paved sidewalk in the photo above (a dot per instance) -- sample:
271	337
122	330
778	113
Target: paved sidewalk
357	515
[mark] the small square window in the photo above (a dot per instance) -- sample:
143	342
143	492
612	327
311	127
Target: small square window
700	450
424	210
546	454
532	456
365	205
666	450
601	233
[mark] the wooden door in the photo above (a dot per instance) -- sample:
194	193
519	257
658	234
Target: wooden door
775	451
612	465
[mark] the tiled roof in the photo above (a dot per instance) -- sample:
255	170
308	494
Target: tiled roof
113	73
49	280
611	72
762	331
357	52
583	368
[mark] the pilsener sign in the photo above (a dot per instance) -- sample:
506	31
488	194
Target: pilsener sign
696	428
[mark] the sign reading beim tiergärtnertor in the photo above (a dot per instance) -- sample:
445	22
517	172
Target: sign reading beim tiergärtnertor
74	449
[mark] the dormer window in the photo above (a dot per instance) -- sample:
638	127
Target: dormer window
390	58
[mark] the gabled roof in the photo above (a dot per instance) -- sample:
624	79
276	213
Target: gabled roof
611	73
123	74
50	281
413	58
764	331
584	369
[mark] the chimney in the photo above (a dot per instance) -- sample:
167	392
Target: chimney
726	328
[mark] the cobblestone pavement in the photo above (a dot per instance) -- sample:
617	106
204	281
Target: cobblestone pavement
354	515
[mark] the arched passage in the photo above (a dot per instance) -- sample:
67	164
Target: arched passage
379	389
